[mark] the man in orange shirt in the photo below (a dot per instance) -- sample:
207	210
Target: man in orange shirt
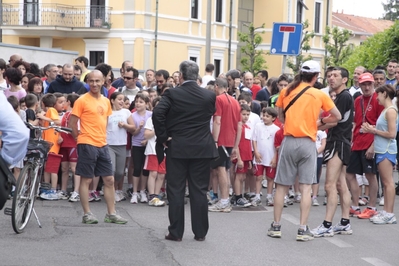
298	151
93	110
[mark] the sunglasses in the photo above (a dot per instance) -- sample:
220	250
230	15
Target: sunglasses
128	78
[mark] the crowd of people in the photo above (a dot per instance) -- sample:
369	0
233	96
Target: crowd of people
216	140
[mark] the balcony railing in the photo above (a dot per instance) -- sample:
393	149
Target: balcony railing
55	15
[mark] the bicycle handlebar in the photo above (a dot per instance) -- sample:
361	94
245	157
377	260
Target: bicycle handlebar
66	130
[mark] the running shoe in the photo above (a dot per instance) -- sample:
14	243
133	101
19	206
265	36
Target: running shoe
274	231
340	229
385	218
367	214
304	235
321	231
242	203
114	218
220	207
89	218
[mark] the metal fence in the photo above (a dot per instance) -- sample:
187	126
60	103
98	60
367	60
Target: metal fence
55	15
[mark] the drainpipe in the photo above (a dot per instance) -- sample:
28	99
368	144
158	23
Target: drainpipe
156	37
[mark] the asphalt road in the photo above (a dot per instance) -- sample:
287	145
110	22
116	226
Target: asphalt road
236	238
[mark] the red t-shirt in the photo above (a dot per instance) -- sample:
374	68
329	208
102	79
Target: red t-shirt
278	123
372	110
110	91
255	88
67	140
229	111
278	137
245	145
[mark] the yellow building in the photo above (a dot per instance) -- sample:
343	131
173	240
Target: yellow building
112	31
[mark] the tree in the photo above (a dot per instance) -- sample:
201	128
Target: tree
295	62
376	50
335	42
391	10
254	60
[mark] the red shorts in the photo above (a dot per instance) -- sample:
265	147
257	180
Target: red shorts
53	163
151	164
260	169
243	170
69	155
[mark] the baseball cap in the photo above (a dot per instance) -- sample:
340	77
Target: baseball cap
366	77
310	66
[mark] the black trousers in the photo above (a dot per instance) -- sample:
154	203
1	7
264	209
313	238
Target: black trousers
197	172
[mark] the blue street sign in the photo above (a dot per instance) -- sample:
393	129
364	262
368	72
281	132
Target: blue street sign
286	38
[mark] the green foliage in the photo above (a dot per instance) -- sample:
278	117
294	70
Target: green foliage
391	10
335	41
376	50
295	62
253	59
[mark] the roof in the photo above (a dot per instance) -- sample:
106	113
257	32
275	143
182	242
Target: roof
360	25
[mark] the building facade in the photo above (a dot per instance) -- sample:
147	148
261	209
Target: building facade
114	31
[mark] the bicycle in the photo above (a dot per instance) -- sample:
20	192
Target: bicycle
27	185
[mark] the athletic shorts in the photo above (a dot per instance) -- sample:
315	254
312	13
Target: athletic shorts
379	157
138	157
343	150
151	164
69	155
260	170
359	164
243	170
227	162
318	169
93	161
297	157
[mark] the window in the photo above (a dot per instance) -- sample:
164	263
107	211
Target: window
31	12
216	62
317	17
96	57
194	9
219	10
192	58
300	5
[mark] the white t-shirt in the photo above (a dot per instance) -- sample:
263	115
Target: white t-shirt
353	90
319	137
130	93
253	120
150	148
206	79
264	137
115	135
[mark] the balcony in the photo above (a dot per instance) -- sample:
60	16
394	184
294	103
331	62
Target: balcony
55	16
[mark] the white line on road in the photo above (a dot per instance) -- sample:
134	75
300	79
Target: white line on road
376	262
338	242
291	219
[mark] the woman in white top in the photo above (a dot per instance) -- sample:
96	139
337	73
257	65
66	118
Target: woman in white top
119	123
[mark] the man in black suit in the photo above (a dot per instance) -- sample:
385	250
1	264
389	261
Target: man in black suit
182	124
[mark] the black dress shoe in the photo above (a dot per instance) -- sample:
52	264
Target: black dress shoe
199	238
172	238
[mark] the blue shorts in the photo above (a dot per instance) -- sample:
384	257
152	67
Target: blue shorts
379	157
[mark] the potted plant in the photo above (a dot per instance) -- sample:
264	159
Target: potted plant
106	25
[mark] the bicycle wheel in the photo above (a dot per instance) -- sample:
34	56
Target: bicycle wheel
24	198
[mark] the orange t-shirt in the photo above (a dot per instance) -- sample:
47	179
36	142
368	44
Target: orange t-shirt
51	135
93	114
301	118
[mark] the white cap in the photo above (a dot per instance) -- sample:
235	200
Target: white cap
310	66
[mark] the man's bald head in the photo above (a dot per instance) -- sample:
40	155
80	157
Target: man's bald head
14	58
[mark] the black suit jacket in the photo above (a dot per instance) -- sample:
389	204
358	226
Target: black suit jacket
184	114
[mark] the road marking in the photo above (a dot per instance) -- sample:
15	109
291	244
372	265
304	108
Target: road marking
291	219
376	262
338	242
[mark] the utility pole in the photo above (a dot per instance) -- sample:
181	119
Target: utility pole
230	32
208	32
156	36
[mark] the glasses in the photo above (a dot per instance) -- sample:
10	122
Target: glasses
128	78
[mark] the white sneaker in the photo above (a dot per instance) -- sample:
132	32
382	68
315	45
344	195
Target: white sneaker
382	201
264	183
270	201
62	195
117	198
143	197
156	202
297	198
134	198
291	194
122	195
74	197
315	202
230	192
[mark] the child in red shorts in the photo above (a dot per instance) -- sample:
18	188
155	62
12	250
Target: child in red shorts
69	154
265	155
156	171
244	157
